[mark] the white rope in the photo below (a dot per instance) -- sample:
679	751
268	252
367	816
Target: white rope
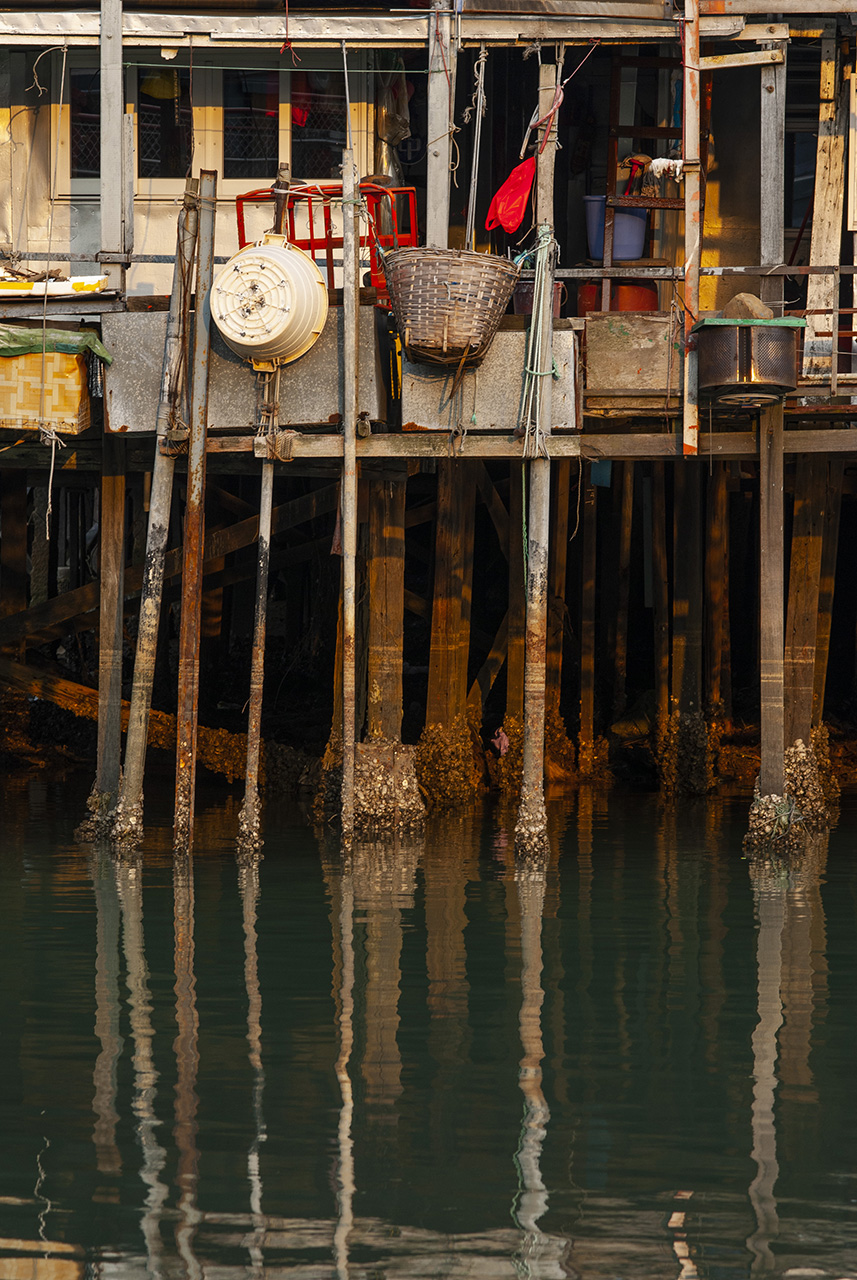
539	357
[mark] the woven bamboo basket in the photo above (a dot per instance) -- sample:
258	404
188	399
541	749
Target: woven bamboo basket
448	302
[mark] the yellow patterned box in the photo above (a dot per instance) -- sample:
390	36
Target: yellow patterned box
63	408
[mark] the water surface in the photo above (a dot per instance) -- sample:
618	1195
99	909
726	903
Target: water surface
635	1061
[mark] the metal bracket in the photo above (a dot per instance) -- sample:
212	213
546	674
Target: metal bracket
123	259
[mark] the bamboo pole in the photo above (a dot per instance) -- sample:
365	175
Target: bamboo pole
531	826
249	841
127	825
350	318
194	534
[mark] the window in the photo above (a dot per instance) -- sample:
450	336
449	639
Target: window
84	94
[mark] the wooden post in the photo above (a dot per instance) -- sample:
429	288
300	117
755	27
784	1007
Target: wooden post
441	105
128	818
686	687
771	596
517	597
13	542
386	604
194	531
113	189
829	548
623	594
716	582
660	597
771	176
692	219
350	320
531	826
558	568
802	613
822	290
453	586
111	566
586	739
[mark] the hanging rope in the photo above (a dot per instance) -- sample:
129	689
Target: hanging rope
477	108
539	361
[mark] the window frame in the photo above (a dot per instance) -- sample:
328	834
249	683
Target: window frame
208	114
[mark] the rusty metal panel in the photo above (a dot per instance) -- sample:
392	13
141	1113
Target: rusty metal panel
632	352
310	388
489	397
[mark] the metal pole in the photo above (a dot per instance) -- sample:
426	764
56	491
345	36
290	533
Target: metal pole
194	531
350	319
113	194
531	826
128	818
692	221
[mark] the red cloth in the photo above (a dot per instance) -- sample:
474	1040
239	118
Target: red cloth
509	205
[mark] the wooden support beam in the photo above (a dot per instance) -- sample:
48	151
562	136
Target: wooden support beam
771	597
111	563
686	685
557	573
825	246
660	596
586	739
491	667
802	612
386	605
112	194
829	549
623	593
59	612
13	545
517	611
716	583
453	585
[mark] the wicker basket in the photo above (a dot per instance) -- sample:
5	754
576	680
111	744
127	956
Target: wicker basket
448	302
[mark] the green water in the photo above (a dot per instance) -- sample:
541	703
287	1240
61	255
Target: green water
638	1061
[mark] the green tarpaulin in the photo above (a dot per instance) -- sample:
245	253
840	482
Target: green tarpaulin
17	341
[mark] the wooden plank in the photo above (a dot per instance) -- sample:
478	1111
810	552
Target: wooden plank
827	209
802	612
827	580
771	633
386	605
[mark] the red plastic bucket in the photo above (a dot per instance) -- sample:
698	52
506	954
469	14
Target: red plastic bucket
634	296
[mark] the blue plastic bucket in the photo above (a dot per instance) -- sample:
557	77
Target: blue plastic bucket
629	229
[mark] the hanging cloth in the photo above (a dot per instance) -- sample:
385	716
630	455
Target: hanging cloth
509	204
